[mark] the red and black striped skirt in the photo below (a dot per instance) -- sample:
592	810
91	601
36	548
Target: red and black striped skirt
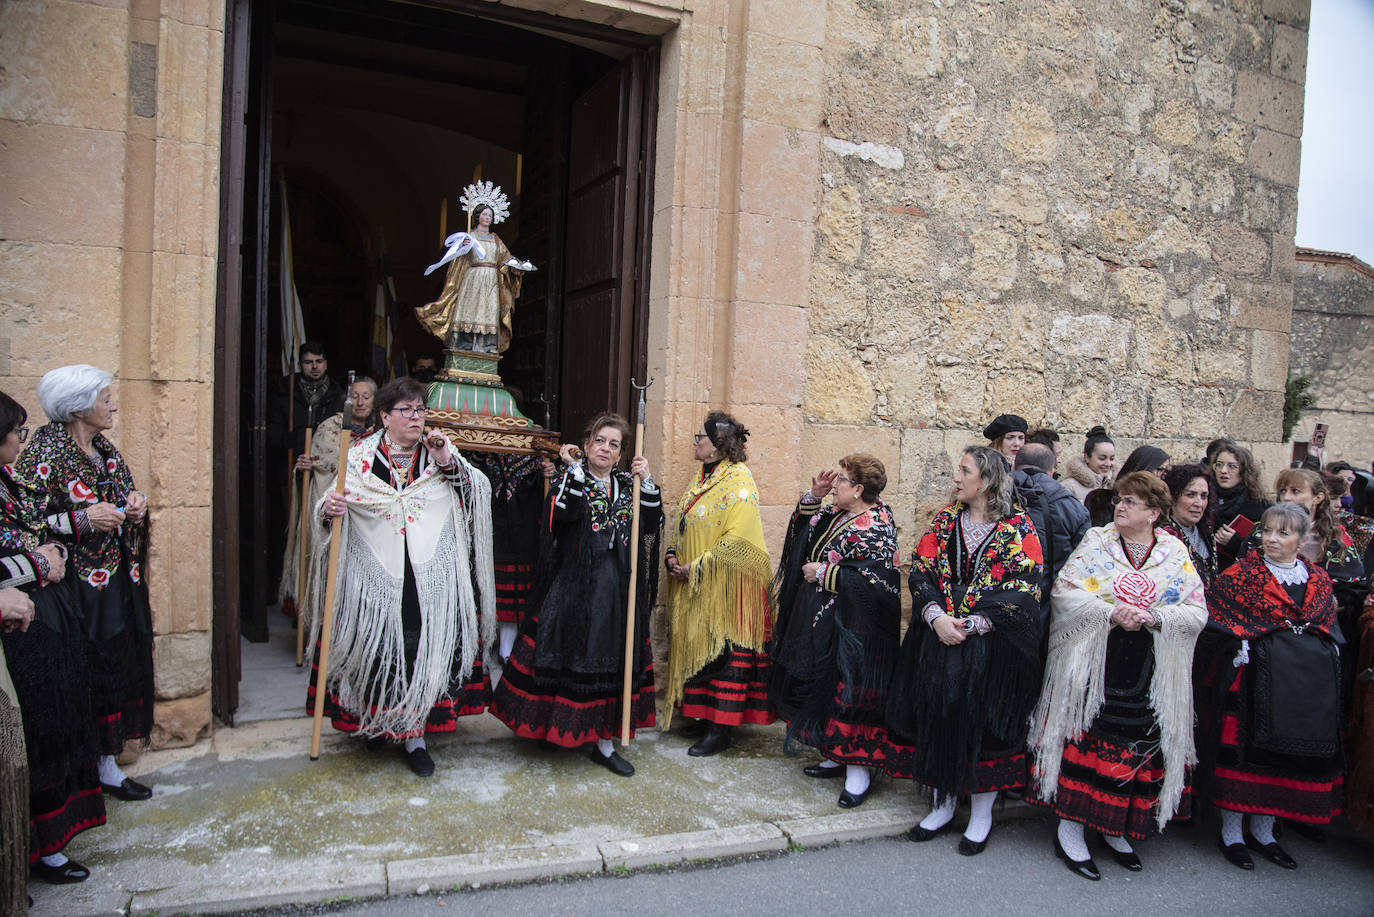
513	585
731	690
1110	786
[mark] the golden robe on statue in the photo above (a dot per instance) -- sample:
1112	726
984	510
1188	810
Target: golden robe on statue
478	298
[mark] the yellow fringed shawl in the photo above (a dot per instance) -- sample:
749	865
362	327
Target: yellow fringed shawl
726	598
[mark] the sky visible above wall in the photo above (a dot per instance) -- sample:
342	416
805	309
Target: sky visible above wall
1336	188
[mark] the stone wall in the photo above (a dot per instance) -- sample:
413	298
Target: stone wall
1081	213
109	144
1333	313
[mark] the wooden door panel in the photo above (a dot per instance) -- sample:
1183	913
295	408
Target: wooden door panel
593	242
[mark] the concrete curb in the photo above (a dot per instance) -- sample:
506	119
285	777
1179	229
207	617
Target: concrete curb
860	825
666	849
406	877
362	880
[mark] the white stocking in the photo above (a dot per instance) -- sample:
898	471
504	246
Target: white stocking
856	779
508	630
54	859
412	744
110	774
1262	827
980	816
941	814
606	747
1071	839
1231	823
1118	843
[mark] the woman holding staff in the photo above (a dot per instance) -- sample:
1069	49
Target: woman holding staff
415	604
563	681
719	608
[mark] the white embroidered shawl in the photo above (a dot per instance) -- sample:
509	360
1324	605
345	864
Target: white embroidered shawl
446	530
1094	580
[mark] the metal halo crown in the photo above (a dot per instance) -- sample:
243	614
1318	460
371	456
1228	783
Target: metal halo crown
485	192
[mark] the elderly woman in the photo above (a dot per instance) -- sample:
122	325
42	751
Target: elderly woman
970	662
1240	501
565	677
1192	516
839	617
408	631
322	465
1112	733
88	495
47	661
1269	709
1094	471
719	608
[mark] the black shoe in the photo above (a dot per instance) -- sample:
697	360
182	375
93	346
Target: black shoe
850	800
972	848
1271	852
919	835
1236	855
420	762
613	763
376	743
817	770
716	740
694	729
1087	869
1124	860
68	873
129	790
1304	829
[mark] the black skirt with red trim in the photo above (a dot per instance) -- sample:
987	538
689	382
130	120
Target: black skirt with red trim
569	708
513	584
120	666
853	733
468	698
1247	779
999	768
731	690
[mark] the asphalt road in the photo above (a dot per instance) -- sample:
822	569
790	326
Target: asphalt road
1017	875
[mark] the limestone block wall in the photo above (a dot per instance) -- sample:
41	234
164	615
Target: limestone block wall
1079	212
1333	313
109	144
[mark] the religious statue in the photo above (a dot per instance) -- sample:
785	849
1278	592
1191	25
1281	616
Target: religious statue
473	314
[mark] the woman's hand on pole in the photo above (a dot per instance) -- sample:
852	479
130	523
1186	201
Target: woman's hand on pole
335	503
639	467
439	446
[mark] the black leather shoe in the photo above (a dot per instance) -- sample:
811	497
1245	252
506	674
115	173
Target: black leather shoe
130	790
850	800
68	873
716	740
972	848
613	763
1124	860
1236	855
694	729
919	835
1086	869
817	770
1311	832
420	762
1271	852
376	743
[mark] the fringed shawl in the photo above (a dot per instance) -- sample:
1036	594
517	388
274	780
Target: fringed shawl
1095	579
1247	602
860	606
946	699
445	529
726	598
14	799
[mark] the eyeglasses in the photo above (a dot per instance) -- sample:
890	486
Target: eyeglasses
410	412
849	481
1128	502
698	437
1226	466
23	434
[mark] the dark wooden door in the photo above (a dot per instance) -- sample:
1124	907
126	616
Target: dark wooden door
598	353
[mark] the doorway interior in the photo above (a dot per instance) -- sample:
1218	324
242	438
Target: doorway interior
367	118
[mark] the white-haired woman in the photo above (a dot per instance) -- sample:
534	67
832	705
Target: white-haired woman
93	505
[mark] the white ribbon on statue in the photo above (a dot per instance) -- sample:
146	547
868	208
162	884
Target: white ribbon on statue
459	244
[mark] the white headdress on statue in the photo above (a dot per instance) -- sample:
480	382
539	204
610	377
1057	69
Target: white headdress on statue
484	192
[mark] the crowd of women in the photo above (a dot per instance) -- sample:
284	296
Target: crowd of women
1194	649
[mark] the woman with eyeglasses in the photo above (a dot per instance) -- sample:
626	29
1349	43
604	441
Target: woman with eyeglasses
1269	707
839	617
1240	500
93	506
719	607
415	604
46	657
1112	733
969	665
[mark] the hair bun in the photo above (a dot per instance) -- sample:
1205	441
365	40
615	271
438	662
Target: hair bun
1098	430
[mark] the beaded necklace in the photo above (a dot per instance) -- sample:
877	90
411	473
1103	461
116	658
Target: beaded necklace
400	477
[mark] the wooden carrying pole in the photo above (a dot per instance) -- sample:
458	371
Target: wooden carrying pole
327	613
628	691
302	531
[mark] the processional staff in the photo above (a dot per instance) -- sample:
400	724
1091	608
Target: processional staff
634	575
327	618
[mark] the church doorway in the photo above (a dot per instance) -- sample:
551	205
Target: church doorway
354	125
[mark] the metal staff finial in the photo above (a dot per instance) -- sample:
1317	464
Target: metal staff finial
641	389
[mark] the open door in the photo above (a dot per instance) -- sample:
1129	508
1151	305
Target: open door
605	191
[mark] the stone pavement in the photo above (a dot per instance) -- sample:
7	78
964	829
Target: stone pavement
246	820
